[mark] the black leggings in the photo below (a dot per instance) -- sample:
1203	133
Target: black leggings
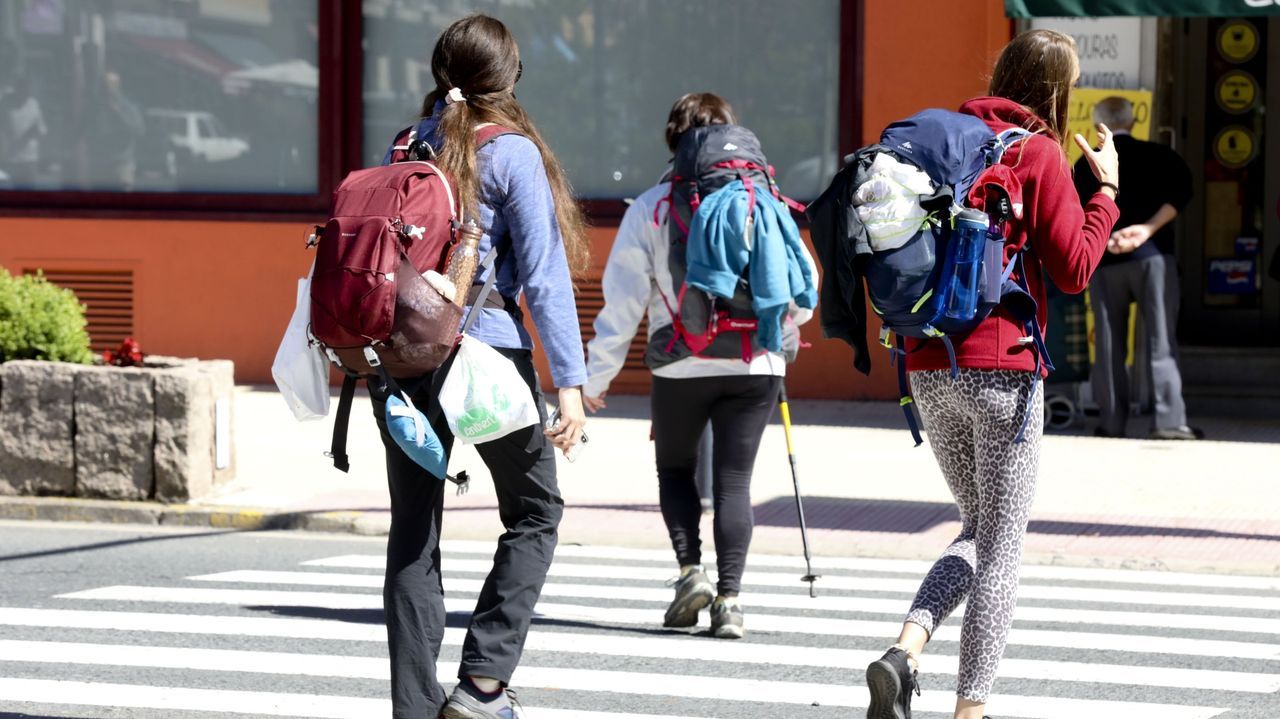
739	408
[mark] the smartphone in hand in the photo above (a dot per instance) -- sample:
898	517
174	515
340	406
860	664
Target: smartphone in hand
554	421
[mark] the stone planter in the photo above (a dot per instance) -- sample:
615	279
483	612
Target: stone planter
159	432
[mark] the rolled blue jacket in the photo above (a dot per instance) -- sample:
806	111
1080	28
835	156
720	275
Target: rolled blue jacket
518	213
778	273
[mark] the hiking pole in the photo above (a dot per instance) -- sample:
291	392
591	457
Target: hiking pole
809	576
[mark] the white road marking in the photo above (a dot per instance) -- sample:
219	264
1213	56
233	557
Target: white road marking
869	584
661	647
317	706
765	600
916	568
271	600
641	683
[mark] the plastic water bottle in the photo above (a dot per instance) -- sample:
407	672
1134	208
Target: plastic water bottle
968	240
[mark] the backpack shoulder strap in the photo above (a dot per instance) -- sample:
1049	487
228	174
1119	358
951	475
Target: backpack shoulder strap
1005	140
404	146
488	132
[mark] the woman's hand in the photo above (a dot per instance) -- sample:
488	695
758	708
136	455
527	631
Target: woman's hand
1132	237
572	419
595	404
1104	161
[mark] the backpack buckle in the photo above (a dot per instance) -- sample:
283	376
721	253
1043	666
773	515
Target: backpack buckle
371	357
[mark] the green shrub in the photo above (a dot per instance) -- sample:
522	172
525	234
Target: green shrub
39	320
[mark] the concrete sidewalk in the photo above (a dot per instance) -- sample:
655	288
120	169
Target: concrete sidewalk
1212	505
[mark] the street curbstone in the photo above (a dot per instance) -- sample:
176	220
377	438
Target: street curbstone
71	509
216	517
332	522
372	524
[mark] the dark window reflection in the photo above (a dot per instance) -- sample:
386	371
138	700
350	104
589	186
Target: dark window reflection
158	95
600	76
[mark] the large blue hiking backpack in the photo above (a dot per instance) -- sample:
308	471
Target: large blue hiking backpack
943	272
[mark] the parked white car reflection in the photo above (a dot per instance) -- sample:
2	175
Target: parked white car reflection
199	134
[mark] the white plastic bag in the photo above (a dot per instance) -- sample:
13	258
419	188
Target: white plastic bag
300	369
484	397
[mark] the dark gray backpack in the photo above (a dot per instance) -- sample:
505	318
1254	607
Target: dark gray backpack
707	159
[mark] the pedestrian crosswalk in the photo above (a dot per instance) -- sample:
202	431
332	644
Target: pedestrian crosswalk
305	639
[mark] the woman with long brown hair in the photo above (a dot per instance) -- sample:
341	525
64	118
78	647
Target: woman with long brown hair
973	420
512	185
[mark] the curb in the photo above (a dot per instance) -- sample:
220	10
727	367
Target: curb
105	511
376	524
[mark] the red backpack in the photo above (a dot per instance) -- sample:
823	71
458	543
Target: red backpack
371	310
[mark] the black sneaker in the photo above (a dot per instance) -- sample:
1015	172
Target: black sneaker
891	681
693	593
726	619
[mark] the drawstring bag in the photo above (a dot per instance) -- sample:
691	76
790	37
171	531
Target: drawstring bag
414	435
484	397
300	369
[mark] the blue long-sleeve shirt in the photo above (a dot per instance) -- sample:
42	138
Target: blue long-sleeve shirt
518	213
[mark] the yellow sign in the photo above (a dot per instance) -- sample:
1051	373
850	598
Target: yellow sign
1237	92
1234	147
1238	41
1080	115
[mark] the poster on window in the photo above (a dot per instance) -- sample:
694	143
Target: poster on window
1233	276
1080	115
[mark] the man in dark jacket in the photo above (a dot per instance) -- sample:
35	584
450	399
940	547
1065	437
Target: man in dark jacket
1140	267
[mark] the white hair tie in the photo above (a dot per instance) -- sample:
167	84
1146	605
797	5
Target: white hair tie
455	95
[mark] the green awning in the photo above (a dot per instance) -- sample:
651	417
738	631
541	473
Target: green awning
1156	8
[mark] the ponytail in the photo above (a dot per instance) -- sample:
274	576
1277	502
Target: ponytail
479	58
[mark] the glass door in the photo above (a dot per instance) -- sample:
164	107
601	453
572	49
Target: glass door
1230	235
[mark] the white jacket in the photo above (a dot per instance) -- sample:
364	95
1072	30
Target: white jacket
636	278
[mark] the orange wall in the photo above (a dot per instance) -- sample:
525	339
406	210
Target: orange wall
201	288
937	55
226	289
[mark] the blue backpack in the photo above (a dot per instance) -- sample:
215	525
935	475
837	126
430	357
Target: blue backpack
938	269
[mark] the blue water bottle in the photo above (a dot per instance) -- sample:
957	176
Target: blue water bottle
968	240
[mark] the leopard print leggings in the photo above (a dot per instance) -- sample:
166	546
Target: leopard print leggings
971	424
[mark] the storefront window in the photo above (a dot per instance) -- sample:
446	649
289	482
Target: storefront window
600	77
210	96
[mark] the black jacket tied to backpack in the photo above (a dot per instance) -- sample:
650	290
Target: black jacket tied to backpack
842	302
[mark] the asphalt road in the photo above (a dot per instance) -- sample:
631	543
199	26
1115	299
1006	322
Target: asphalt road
100	621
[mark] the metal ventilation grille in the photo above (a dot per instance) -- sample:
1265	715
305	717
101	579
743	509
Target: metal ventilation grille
590	302
108	298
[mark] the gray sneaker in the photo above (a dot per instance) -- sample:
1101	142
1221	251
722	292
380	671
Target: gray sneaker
693	593
726	619
1182	432
462	705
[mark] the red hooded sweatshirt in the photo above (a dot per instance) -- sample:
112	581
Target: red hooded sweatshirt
1061	239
